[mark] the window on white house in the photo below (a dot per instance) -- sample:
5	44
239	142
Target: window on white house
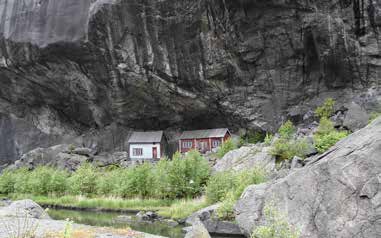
187	144
216	143
137	151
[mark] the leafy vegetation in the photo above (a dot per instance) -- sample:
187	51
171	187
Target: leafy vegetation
286	146
327	109
268	139
227	146
326	135
252	137
276	225
170	179
227	187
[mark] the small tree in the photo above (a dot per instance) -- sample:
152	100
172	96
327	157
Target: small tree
327	109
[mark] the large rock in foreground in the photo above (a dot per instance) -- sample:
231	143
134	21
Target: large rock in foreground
24	208
335	195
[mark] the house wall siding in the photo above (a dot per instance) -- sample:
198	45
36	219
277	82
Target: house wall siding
147	151
208	143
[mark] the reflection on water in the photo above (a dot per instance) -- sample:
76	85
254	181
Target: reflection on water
109	219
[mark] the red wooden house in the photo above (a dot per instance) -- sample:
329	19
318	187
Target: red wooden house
203	140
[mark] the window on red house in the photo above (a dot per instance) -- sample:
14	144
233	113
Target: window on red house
187	144
137	151
216	143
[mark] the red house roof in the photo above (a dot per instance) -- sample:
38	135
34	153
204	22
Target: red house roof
199	134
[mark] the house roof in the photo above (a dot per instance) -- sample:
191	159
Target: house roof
146	137
210	133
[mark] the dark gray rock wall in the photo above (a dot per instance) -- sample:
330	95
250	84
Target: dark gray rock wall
68	66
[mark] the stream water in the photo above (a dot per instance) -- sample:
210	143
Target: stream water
109	219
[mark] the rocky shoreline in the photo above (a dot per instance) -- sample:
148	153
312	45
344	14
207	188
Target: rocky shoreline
25	216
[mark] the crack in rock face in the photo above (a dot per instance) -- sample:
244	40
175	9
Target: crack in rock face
69	67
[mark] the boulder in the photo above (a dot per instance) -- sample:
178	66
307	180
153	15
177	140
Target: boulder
336	194
198	230
356	117
244	158
24	208
211	222
83	151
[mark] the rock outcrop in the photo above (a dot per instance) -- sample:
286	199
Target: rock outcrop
207	216
246	157
69	67
24	209
336	194
69	157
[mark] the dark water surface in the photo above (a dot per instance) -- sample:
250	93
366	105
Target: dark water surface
109	219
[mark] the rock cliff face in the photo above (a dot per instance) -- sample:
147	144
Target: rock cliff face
336	195
69	66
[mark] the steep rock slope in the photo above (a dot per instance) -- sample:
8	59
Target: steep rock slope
69	66
335	195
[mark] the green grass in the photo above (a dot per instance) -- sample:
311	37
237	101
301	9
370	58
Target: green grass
175	209
106	203
183	208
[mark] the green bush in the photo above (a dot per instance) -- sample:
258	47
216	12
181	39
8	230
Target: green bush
227	146
268	139
327	109
182	177
287	130
225	211
287	149
227	187
187	176
252	137
83	181
326	135
276	225
7	182
219	186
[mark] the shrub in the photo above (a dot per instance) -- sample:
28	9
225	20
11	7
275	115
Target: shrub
83	181
227	187
219	186
225	210
327	109
287	130
268	139
325	141
287	149
227	146
276	225
21	180
7	182
252	137
141	180
186	177
39	180
110	183
326	135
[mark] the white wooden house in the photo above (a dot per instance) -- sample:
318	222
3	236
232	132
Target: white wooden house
149	145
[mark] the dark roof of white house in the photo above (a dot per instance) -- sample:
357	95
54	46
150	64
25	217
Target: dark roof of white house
146	137
210	133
